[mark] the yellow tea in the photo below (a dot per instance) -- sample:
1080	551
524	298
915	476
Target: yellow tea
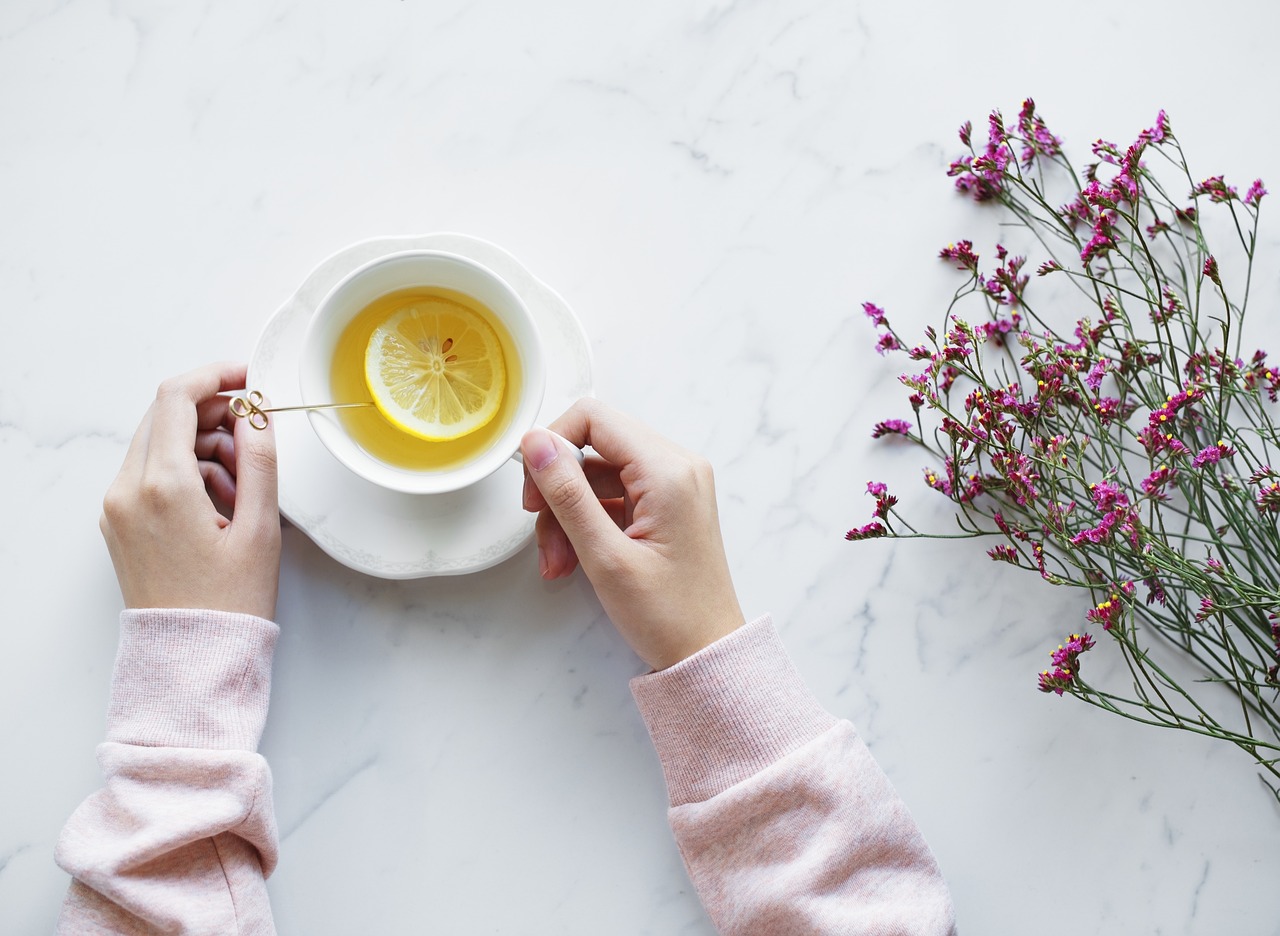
377	435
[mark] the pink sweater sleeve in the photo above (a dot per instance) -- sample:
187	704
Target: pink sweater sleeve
785	822
183	833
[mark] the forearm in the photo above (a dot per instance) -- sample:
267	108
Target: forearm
785	822
182	834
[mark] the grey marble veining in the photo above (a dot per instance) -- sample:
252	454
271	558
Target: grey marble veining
713	187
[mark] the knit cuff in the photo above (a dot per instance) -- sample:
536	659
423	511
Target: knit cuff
191	678
727	712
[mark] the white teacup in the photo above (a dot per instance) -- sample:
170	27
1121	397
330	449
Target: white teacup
411	269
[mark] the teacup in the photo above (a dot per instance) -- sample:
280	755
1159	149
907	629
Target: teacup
331	366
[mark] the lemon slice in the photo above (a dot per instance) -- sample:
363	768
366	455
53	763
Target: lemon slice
435	370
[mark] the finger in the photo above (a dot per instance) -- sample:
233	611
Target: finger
257	494
616	508
176	419
214	412
564	487
217	445
601	475
556	555
220	484
619	438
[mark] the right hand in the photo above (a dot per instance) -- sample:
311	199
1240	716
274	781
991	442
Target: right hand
642	522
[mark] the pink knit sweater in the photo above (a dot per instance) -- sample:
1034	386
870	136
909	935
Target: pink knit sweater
786	824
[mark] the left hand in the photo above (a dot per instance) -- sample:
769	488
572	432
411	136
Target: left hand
170	544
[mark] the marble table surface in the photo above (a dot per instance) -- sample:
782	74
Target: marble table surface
713	187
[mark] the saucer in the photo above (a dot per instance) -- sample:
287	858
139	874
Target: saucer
386	533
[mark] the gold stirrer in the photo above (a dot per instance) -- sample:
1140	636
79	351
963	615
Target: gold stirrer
250	407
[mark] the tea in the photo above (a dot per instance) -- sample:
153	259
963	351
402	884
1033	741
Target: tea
371	430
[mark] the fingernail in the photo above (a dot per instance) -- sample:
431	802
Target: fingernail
524	494
542	562
540	449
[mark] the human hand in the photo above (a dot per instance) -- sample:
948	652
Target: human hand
642	522
169	543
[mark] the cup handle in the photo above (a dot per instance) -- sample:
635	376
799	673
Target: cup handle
579	454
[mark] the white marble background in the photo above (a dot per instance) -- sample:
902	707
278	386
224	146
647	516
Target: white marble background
714	187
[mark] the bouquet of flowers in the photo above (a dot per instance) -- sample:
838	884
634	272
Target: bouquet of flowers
1130	456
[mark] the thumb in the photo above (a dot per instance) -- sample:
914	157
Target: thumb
257	496
565	488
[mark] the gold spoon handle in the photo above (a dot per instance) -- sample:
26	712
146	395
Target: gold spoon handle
250	407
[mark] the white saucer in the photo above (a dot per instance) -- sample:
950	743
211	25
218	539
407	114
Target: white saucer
386	533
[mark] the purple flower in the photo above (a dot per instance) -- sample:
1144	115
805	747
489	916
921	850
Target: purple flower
1212	455
870	531
1003	553
1098	245
1211	269
1255	193
1068	653
1107	494
1159	132
1216	188
891	427
1058	681
1154	484
1093	379
1066	664
1107	611
876	488
874	312
887	343
961	254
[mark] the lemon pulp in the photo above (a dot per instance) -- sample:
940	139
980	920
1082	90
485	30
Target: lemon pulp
435	370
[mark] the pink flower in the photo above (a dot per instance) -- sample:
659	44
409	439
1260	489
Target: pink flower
1154	484
1217	189
1066	664
1037	140
1058	681
1098	245
1003	553
1155	442
1093	379
1159	132
1176	402
1212	455
1255	193
874	312
891	427
1110	609
1107	494
1211	269
870	531
1267	499
1068	653
961	255
876	488
1020	473
887	343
